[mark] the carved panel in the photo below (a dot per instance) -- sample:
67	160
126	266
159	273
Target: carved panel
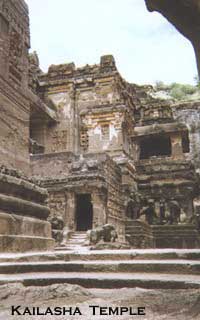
59	140
14	40
15	55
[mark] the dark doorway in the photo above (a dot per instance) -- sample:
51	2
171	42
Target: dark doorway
155	146
84	212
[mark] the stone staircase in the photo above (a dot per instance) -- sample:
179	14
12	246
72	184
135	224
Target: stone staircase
149	268
75	242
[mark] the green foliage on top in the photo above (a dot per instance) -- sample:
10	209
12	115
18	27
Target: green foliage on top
179	91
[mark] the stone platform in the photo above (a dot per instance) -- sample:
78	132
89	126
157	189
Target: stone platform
182	236
23	215
139	234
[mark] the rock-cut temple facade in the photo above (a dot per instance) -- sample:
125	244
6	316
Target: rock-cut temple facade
82	147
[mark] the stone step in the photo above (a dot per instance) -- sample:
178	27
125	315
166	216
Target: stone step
115	255
141	266
76	239
106	280
71	248
78	236
75	242
79	232
72	241
164	254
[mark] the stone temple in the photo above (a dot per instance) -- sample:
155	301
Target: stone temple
82	148
99	187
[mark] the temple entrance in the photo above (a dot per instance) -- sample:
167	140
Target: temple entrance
84	212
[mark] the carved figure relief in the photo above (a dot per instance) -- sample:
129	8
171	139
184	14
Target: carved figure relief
59	140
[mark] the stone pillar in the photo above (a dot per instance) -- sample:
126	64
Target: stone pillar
69	220
69	216
99	209
74	122
176	143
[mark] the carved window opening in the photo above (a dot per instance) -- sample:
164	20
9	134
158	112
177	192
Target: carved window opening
155	146
105	132
84	140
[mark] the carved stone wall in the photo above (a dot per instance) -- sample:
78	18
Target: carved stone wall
115	198
92	104
58	165
94	174
14	131
100	114
15	39
23	210
14	103
61	136
189	113
104	130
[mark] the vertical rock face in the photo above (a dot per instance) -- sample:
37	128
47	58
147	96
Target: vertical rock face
14	103
23	212
185	16
189	113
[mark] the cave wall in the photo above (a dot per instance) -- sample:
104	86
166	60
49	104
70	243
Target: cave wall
185	16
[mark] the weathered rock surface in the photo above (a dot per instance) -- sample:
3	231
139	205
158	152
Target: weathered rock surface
159	304
189	112
22	294
110	246
23	210
185	16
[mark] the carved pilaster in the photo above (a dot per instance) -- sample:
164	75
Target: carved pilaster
99	209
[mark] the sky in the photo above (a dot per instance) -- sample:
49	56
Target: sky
146	47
